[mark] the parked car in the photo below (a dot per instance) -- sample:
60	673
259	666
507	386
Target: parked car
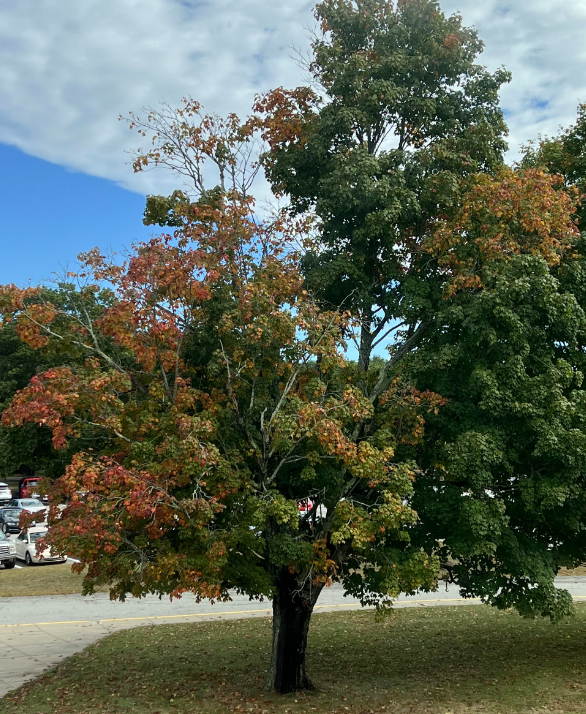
28	487
304	506
7	552
26	548
9	520
5	493
32	505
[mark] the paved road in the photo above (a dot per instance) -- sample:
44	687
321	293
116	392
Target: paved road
38	632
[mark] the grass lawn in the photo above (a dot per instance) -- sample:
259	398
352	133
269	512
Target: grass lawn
441	660
576	571
47	579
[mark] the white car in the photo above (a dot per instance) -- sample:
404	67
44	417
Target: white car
32	505
26	548
5	493
7	552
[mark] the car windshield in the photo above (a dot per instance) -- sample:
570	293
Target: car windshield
3	537
31	502
35	536
3	485
11	512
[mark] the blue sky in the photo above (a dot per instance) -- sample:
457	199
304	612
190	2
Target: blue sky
68	68
49	214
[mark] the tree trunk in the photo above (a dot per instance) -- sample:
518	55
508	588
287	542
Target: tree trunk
292	611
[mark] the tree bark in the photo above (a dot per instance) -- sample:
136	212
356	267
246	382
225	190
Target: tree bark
292	610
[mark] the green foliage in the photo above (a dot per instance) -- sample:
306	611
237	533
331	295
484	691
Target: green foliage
404	114
504	486
165	210
26	450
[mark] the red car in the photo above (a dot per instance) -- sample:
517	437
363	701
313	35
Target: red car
27	488
305	506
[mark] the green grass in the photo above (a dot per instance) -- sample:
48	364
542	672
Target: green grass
445	659
44	579
581	570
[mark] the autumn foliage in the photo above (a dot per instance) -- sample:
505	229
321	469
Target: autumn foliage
217	395
512	213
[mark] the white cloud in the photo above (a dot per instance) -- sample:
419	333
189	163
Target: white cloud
542	43
68	68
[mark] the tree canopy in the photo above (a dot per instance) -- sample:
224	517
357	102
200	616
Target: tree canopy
502	482
457	263
27	450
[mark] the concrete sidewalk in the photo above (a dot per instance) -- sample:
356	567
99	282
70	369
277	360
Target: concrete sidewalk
37	633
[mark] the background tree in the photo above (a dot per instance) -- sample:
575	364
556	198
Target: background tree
18	363
28	450
503	483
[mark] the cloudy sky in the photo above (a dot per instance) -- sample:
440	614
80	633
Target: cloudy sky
68	68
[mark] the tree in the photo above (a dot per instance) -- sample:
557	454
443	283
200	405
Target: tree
502	481
397	147
26	450
397	114
211	397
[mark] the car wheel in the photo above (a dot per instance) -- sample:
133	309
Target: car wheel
4	528
9	564
27	558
